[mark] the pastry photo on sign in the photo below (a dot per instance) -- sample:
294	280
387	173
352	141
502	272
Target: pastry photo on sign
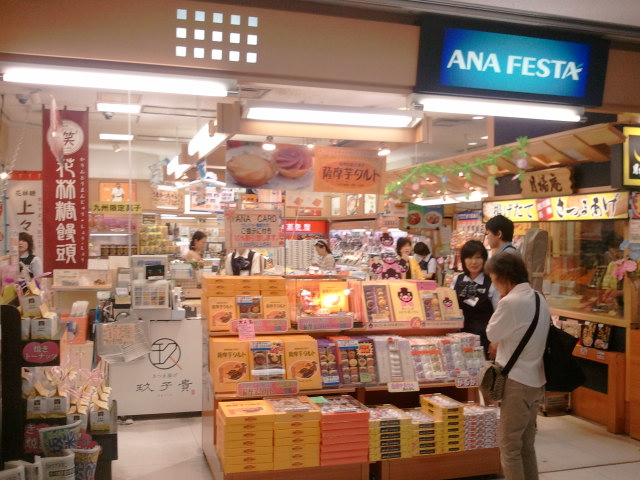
288	167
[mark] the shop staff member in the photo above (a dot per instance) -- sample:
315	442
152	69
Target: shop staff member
427	262
412	269
196	246
30	265
323	258
500	235
476	295
243	262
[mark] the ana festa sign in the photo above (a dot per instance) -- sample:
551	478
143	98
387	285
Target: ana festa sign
598	206
469	57
66	193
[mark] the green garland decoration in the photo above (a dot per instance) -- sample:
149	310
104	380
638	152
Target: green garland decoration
424	170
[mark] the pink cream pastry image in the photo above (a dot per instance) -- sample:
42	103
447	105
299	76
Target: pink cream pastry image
292	161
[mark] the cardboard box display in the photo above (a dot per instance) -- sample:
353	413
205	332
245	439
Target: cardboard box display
244	442
248	467
220	312
407	306
312	434
237	452
301	360
294	409
245	411
228	363
275	306
342	408
376	303
290	451
44	328
247	459
289	441
266	359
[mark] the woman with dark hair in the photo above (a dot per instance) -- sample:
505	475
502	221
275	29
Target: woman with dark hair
323	258
197	244
476	295
410	264
525	382
29	263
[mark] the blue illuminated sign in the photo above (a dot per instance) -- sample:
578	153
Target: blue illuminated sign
479	58
497	61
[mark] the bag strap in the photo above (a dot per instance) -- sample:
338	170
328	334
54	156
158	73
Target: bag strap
525	339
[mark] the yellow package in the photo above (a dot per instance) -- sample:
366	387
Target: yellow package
301	360
228	363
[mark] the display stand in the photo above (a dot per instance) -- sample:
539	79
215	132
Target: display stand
605	408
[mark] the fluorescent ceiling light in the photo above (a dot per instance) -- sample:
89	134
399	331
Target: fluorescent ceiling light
114	80
332	115
116	137
499	108
119	107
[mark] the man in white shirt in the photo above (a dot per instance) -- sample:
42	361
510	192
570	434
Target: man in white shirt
117	193
525	382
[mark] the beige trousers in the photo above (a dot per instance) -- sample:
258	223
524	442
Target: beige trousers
518	412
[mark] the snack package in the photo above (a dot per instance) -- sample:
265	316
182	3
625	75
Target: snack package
266	359
427	359
602	337
377	303
302	362
228	363
328	356
407	305
588	334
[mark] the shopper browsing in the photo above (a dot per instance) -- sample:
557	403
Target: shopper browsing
410	265
477	297
428	264
196	246
30	265
323	259
499	233
525	382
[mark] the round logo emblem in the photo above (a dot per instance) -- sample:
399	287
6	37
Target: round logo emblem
165	353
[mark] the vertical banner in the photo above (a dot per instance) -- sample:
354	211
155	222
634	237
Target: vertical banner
66	192
24	206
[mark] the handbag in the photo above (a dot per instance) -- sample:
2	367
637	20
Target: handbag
561	368
493	377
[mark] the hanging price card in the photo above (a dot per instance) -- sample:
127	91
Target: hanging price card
398	387
466	382
246	329
263	389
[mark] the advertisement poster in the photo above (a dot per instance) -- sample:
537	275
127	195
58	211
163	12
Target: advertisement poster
419	216
353	204
167	199
335	206
470	222
65	200
348	170
288	167
117	192
24	205
253	229
595	206
306	204
370	204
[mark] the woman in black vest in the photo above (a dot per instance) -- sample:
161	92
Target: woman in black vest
30	265
476	296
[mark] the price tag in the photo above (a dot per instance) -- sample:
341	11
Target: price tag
583	351
266	388
466	382
113	334
601	355
398	387
246	329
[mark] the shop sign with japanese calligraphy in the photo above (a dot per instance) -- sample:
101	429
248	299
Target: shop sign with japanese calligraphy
347	170
24	205
543	183
291	227
631	157
116	207
387	221
168	199
253	229
596	206
66	192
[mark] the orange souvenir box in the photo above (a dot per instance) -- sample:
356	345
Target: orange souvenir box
442	407
311	425
310	435
292	451
294	409
247	467
228	363
246	411
296	463
302	361
327	448
290	441
220	311
275	306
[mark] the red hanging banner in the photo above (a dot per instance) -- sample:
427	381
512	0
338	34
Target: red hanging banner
65	190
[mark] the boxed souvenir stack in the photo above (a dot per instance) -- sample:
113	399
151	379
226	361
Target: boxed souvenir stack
427	433
219	301
228	363
301	360
427	360
296	432
328	356
266	359
356	360
450	412
480	427
390	433
453	357
244	435
472	351
344	430
393	359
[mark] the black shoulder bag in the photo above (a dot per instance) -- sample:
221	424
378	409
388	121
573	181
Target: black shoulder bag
493	376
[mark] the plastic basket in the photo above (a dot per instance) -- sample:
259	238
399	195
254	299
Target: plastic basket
124	341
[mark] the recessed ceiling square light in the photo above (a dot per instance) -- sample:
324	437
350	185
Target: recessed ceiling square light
116	137
119	107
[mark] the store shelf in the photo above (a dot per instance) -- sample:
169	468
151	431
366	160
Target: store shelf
88	288
353	331
326	391
590	317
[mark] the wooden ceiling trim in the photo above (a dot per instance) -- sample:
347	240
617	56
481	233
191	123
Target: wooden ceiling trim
553	156
570	143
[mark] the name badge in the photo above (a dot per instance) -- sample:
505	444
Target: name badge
471	301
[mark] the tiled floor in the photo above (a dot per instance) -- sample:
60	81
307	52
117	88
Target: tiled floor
568	448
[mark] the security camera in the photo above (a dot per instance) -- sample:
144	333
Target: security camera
23	98
108	115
